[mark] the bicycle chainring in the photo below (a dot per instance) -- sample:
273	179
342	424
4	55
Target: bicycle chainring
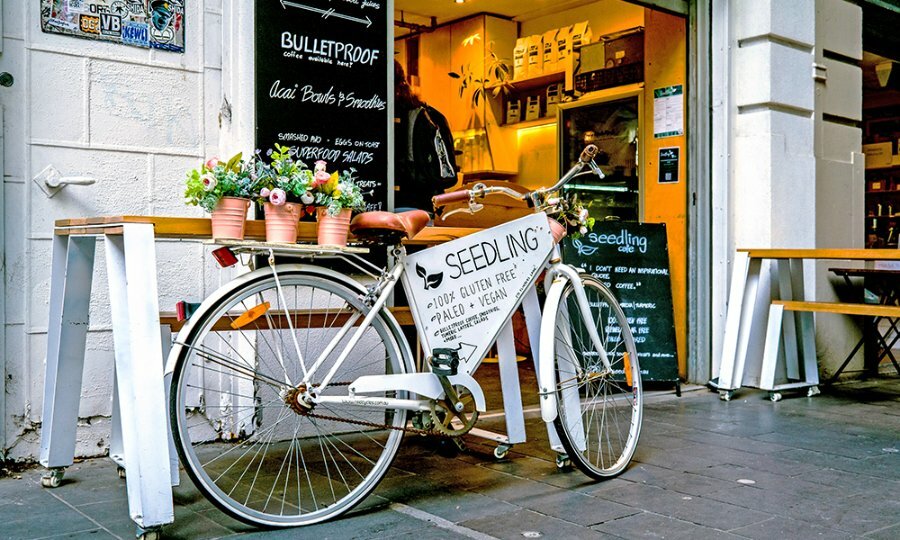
443	415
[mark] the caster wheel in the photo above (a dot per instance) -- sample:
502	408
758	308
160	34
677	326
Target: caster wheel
813	391
52	478
148	534
725	395
775	396
502	451
121	472
563	462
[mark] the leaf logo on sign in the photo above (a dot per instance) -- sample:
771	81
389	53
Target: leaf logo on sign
583	249
432	281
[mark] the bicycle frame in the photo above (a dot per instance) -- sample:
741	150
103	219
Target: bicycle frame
531	250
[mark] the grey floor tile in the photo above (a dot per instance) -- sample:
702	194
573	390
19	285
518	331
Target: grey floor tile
781	527
891	532
649	525
524	523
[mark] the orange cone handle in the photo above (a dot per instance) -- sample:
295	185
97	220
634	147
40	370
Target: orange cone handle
250	315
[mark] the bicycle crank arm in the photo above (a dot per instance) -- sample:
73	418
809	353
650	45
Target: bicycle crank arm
423	384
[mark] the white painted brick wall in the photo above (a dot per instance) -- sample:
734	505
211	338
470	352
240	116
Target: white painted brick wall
135	120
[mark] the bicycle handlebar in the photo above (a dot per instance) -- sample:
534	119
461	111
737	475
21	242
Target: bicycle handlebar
480	190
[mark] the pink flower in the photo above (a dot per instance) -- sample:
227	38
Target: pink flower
211	164
209	182
278	197
321	177
264	192
320	165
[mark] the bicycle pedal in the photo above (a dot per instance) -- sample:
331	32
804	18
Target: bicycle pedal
444	362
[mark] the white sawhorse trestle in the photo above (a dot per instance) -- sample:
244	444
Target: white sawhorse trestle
140	423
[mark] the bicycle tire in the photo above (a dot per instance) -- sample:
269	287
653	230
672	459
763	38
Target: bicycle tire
601	437
240	441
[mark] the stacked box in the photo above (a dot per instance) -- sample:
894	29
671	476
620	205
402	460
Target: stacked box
549	46
533	108
513	111
520	54
535	56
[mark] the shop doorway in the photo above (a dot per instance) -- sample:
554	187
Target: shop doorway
627	62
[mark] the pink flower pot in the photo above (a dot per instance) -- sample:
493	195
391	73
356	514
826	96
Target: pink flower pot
229	217
282	222
332	230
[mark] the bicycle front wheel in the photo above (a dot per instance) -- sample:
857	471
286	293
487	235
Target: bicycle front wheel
242	436
599	410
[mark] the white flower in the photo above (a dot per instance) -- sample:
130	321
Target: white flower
582	229
583	214
209	182
307	198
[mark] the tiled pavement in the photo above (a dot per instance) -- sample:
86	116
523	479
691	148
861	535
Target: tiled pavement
822	467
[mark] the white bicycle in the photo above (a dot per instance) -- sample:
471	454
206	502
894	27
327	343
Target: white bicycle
293	385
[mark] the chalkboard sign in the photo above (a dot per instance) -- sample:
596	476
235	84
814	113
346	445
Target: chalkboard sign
633	260
322	85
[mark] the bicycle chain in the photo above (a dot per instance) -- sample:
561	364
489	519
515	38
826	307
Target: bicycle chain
416	431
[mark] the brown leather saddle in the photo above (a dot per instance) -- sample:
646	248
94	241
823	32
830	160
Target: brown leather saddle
388	227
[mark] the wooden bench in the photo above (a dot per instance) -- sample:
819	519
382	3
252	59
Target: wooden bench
809	378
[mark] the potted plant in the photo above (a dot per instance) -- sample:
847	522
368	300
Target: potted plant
284	190
223	189
336	197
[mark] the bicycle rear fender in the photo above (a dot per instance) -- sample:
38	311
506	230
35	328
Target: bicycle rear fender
262	273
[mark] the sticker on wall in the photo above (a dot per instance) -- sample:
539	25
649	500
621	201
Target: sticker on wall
668	111
668	164
155	24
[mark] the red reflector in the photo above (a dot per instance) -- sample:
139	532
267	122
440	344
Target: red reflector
224	257
181	311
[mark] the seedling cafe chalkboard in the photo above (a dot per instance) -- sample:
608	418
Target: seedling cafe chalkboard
322	85
633	260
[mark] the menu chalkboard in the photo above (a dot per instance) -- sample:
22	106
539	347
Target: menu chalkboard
322	85
633	260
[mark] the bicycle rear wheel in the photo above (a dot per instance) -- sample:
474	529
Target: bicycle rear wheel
599	411
247	444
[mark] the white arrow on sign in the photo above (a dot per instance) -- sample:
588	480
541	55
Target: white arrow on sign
328	13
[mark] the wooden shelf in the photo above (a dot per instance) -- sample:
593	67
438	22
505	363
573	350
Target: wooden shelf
532	83
884	192
542	121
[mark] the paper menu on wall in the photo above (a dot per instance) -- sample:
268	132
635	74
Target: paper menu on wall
668	111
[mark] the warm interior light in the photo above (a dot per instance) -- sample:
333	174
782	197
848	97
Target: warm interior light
460	1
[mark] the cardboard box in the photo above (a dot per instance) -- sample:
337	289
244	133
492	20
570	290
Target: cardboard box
549	46
878	155
627	49
563	47
533	108
535	56
554	92
520	54
513	111
592	57
580	35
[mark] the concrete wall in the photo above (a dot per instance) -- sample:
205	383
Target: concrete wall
789	174
135	120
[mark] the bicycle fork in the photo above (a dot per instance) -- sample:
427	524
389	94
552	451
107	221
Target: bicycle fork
555	283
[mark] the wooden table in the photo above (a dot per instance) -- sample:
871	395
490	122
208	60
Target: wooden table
735	369
140	422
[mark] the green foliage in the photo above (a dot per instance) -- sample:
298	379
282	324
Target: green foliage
214	179
340	192
286	173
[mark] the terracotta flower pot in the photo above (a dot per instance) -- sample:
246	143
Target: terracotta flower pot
333	230
282	222
229	218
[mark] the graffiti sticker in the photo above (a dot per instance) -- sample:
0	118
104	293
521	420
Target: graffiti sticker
157	24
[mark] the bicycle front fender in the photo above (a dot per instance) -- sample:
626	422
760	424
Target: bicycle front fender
546	354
